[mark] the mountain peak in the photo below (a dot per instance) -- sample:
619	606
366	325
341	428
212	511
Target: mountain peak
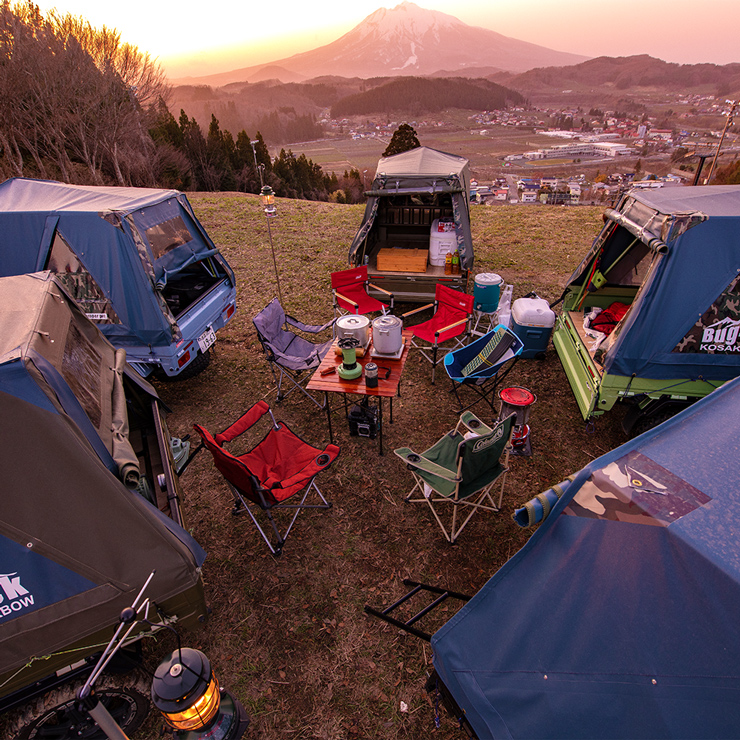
407	17
411	40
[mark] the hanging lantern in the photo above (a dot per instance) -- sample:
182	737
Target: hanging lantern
268	200
185	690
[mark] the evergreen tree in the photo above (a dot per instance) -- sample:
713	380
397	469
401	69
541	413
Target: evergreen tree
403	139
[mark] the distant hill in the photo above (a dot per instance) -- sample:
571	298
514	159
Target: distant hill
419	95
286	112
626	73
405	40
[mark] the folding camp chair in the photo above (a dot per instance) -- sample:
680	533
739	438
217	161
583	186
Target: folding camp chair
290	356
451	320
349	292
478	364
461	470
267	476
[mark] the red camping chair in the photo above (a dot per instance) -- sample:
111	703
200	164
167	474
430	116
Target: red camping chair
267	476
453	311
349	291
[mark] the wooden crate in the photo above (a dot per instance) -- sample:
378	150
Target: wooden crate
395	259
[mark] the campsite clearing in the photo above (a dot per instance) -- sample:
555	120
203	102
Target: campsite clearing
289	636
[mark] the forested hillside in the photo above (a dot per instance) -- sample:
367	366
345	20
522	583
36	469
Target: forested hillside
418	95
624	73
79	105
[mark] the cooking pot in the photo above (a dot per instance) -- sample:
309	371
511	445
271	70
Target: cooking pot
387	335
354	326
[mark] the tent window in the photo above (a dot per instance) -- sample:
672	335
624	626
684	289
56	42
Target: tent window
79	283
81	365
625	260
165	236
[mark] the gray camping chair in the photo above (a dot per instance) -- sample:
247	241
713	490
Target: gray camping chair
290	356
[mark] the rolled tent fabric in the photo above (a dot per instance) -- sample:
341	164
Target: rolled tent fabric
123	453
536	510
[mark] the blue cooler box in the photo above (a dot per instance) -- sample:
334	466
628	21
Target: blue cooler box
532	321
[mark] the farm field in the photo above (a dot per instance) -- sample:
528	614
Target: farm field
289	636
485	151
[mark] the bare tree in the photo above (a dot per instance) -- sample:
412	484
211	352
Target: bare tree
70	93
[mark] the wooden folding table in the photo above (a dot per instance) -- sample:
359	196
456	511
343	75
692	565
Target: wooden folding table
330	382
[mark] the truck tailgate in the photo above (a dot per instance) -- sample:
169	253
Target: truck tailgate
582	372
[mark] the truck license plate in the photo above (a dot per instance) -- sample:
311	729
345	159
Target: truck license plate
206	339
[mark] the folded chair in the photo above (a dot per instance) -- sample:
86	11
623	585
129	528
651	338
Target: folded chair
267	476
457	475
290	356
349	292
478	365
450	322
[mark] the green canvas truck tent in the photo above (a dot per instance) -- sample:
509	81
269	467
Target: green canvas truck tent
89	508
666	267
418	208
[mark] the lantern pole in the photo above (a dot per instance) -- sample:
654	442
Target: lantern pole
268	201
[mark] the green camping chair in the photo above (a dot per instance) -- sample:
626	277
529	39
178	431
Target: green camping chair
461	470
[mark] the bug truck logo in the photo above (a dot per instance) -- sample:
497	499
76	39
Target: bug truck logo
721	336
13	596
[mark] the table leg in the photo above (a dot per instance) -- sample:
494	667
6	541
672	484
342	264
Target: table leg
328	415
380	423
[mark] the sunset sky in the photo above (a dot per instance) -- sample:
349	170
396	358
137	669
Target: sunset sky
196	38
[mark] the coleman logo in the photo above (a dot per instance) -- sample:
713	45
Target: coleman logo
13	597
721	336
484	444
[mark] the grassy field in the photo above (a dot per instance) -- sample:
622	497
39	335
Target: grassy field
289	636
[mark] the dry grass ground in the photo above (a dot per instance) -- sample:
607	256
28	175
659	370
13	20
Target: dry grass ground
288	636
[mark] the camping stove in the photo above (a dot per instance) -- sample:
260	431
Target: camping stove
350	369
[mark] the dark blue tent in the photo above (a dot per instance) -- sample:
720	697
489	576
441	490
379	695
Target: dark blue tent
691	237
87	480
619	618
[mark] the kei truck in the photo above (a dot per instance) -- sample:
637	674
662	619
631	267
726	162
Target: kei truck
137	261
651	316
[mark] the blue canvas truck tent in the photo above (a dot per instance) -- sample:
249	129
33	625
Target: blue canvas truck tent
136	259
90	507
665	267
618	618
418	210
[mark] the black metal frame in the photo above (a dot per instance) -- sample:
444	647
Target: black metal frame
416	587
484	390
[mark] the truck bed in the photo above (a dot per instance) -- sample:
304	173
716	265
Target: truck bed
587	342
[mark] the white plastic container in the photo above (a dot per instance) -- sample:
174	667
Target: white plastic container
442	240
532	320
504	306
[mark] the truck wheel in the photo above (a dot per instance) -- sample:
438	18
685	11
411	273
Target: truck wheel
645	423
54	716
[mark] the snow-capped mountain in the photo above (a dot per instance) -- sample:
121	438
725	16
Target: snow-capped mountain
410	40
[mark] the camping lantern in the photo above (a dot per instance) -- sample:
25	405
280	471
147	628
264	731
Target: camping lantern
518	400
268	200
186	692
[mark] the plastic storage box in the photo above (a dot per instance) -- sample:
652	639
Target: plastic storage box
532	320
442	240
